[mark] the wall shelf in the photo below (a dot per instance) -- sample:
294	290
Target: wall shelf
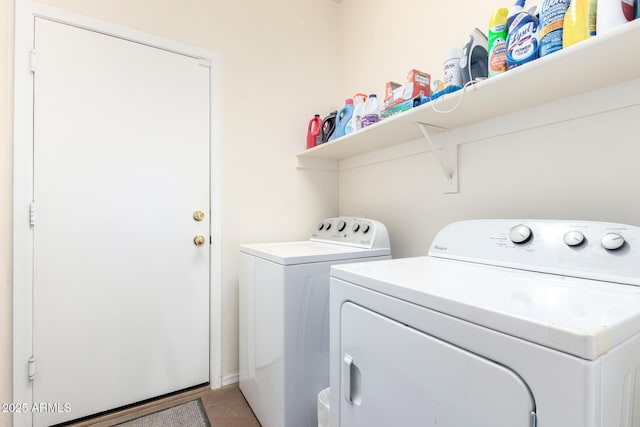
602	61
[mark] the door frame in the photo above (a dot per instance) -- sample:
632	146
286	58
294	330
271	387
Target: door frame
25	13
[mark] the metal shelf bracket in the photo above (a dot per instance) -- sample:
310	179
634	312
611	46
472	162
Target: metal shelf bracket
447	155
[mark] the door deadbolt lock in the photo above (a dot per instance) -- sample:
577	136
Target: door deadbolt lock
198	215
199	240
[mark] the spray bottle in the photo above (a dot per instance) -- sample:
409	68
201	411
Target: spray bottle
498	42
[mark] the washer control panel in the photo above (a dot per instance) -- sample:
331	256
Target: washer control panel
352	231
588	249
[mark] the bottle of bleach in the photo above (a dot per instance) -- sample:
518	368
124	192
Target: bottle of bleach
522	40
344	115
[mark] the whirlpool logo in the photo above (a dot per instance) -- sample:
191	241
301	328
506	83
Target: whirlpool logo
440	248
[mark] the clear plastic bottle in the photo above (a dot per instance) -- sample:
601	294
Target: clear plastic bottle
371	111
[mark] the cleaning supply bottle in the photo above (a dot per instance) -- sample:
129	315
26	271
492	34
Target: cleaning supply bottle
356	118
611	13
628	9
498	42
328	126
371	111
517	8
313	131
552	14
522	40
579	22
344	115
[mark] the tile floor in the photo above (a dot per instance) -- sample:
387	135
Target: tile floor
226	407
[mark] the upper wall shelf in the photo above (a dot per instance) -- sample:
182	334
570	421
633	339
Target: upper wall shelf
604	60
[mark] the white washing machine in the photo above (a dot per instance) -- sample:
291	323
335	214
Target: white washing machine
284	316
504	324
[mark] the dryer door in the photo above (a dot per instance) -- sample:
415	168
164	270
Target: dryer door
393	375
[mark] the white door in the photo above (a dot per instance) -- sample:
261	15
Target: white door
121	162
393	375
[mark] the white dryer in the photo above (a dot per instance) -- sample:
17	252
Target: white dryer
504	324
284	316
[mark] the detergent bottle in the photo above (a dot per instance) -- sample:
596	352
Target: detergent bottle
579	22
522	40
344	115
552	15
313	131
371	111
498	42
355	123
612	13
328	126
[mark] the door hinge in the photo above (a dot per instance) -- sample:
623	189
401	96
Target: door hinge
32	368
534	419
32	61
32	214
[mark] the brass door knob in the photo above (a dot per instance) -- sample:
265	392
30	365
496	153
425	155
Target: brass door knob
199	240
198	215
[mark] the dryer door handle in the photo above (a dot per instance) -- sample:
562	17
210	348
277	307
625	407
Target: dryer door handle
347	366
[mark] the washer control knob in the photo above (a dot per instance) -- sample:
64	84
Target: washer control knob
341	225
612	241
355	227
573	238
365	228
320	226
520	234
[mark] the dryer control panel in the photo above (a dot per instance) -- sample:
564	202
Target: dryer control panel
352	231
588	249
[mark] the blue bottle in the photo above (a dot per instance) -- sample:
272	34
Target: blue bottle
522	40
551	23
344	115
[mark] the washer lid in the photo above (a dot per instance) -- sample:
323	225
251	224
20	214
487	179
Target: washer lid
582	317
290	253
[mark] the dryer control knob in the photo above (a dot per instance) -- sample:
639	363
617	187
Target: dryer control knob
520	234
365	228
355	227
612	241
320	226
327	226
573	238
341	225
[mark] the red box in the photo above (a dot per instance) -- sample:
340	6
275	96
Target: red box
418	83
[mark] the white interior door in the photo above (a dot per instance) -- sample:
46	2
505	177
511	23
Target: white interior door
121	162
393	375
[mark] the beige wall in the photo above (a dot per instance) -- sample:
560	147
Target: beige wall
274	77
382	39
6	80
583	169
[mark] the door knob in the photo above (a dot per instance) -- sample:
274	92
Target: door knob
199	240
198	215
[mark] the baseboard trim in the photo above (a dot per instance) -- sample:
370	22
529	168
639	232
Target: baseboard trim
230	379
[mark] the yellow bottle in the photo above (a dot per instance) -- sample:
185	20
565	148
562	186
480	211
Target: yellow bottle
579	22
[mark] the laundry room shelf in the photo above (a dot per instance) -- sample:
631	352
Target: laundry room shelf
592	64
